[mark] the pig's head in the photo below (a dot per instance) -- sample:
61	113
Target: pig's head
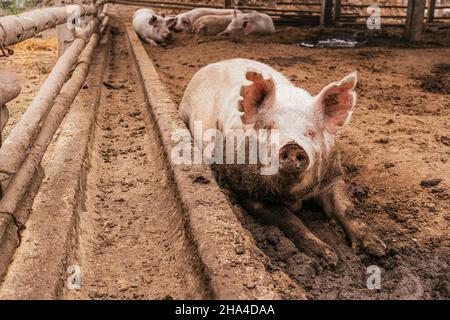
307	125
241	24
157	29
182	24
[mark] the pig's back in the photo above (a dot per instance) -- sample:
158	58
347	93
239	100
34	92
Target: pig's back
194	14
213	92
143	12
215	24
141	18
267	25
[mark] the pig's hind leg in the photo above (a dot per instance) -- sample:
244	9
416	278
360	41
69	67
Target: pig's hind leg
292	227
335	202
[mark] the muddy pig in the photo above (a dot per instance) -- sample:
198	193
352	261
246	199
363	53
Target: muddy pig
185	21
211	25
150	27
249	23
253	96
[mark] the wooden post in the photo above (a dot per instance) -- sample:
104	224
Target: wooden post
337	10
9	90
227	4
65	35
414	20
9	87
431	7
326	15
4	115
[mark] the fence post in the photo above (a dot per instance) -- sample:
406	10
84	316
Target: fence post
414	20
65	35
4	116
337	10
227	4
326	14
431	7
9	90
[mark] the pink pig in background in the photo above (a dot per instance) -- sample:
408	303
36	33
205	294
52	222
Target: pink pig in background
249	23
185	20
253	95
212	24
150	27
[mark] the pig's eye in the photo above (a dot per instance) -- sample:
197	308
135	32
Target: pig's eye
310	133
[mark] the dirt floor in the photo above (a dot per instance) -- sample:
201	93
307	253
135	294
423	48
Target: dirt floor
395	150
132	244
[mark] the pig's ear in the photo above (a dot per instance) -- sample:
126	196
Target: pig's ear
170	21
248	27
258	95
336	101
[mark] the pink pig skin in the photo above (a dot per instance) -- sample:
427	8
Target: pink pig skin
253	95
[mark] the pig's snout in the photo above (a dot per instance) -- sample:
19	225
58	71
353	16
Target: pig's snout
293	158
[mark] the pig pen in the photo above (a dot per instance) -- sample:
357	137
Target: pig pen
395	153
135	226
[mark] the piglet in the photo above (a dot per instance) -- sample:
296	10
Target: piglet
150	27
249	23
252	96
185	21
211	25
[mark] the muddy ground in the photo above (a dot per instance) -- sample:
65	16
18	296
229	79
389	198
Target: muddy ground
398	139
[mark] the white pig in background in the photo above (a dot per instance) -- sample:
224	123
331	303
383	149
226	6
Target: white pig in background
211	25
253	95
249	23
185	21
150	27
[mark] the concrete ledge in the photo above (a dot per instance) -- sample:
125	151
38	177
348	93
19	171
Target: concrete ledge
233	265
38	269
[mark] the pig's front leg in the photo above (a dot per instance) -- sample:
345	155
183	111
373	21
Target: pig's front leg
292	227
335	202
150	41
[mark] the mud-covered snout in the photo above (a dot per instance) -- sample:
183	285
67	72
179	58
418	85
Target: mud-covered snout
163	37
293	158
